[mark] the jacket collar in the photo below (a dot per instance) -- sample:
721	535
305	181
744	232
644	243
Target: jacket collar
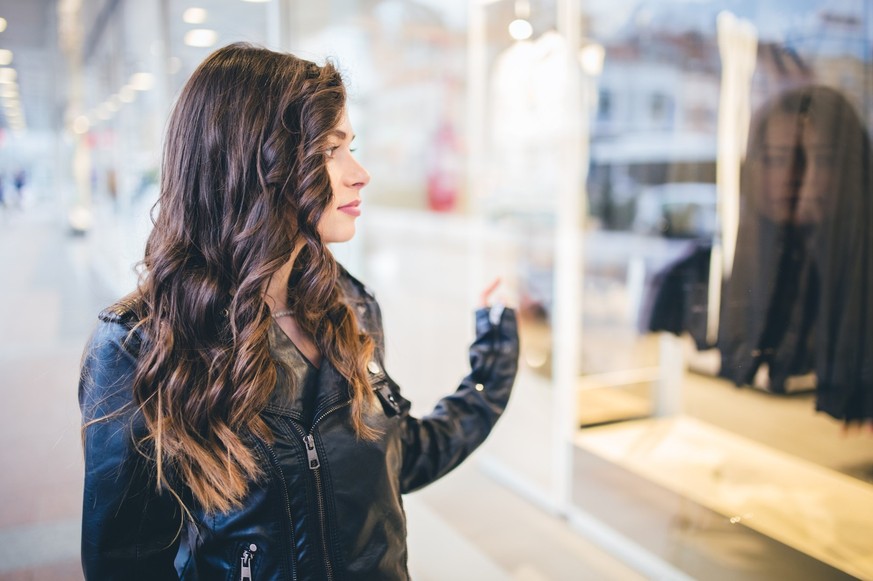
287	398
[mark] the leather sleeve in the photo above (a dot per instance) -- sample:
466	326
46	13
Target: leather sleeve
440	441
129	531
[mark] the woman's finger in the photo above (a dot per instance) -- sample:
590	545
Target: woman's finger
486	295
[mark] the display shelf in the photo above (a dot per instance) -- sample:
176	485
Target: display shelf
603	403
813	510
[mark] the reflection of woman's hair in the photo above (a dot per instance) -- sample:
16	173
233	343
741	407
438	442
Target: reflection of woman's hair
244	180
801	289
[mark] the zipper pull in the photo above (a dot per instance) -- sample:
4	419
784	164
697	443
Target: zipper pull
245	570
311	452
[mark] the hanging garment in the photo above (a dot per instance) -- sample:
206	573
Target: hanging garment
675	299
528	121
770	305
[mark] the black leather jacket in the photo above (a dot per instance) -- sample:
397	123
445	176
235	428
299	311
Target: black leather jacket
330	506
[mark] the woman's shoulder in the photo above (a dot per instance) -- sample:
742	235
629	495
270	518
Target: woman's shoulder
363	302
117	331
126	311
353	287
109	359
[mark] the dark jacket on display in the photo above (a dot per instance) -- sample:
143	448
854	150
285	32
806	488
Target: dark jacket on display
329	505
677	296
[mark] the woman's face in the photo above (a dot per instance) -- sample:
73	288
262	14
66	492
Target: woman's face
798	166
347	178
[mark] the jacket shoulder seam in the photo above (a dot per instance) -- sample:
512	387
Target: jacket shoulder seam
364	289
124	311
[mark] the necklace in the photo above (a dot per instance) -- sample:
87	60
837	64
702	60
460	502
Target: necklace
279	314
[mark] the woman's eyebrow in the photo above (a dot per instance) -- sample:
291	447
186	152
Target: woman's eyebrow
341	134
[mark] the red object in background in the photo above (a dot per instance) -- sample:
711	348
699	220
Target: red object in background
441	193
443	176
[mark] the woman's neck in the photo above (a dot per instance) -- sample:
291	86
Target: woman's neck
276	297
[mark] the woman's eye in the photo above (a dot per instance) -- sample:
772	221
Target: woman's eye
331	150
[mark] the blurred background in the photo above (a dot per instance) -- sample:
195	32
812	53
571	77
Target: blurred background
592	153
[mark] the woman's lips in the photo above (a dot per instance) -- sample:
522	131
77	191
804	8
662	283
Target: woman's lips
352	208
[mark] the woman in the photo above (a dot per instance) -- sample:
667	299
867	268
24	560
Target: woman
238	423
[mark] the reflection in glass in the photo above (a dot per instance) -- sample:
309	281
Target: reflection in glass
800	296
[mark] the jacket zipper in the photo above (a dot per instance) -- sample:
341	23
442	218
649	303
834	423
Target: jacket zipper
281	476
315	465
245	570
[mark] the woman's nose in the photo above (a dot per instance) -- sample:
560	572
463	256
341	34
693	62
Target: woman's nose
359	176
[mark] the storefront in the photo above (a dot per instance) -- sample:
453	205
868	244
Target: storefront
677	196
685	320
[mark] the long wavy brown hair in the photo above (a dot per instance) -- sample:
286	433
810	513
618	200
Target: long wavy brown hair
244	182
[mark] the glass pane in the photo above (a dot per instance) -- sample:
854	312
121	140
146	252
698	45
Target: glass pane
730	236
523	112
